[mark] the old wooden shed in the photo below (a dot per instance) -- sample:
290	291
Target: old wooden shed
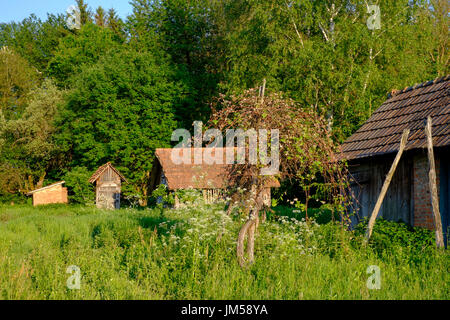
371	150
108	182
212	179
54	193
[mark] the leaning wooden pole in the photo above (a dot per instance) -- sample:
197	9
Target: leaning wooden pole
262	90
433	187
386	183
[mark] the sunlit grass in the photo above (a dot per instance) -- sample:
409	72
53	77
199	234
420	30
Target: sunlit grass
190	254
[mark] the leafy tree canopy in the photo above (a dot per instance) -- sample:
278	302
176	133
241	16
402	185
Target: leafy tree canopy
120	110
86	46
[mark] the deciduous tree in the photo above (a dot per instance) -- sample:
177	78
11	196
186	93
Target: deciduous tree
120	110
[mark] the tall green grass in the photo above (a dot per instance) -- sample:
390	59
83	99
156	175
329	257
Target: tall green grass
190	254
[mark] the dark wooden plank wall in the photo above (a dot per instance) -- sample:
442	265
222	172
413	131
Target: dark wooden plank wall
370	174
444	193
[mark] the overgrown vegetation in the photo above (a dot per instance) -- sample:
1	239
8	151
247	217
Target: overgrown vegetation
114	90
189	254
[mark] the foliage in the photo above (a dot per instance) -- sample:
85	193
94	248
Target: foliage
320	54
120	110
14	198
390	235
306	150
100	17
162	196
33	39
85	12
80	189
28	146
78	50
189	197
12	180
321	215
116	24
17	79
127	85
323	55
188	32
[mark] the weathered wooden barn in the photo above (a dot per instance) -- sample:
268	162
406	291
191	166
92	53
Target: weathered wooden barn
212	179
54	193
371	151
108	182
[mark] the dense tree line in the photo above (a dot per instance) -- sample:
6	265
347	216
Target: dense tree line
113	90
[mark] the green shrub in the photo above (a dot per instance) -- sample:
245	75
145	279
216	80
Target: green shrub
396	238
15	198
80	190
188	196
161	196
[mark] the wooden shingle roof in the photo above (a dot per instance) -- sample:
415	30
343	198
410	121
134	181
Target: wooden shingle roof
405	109
196	176
102	169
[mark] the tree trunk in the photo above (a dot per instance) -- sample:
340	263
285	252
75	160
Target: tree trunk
240	243
41	181
249	229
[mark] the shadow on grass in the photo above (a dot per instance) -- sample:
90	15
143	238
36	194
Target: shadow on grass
321	216
154	223
121	233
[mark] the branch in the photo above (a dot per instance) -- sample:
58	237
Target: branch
298	33
295	26
324	32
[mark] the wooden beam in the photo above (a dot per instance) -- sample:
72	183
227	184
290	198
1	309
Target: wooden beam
386	183
262	90
433	187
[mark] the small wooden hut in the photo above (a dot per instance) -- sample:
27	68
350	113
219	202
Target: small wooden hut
108	182
54	193
211	179
371	150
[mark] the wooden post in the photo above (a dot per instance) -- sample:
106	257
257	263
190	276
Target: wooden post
386	183
262	90
433	187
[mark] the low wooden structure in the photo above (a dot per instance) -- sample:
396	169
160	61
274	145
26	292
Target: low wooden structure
371	151
211	179
108	182
54	193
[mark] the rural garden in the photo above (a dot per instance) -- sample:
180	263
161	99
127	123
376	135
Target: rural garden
347	100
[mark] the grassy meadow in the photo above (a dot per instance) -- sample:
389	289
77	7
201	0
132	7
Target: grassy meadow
190	254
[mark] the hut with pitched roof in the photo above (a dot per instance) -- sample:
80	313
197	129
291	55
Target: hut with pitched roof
370	152
108	182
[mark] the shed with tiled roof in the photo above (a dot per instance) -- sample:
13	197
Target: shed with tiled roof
212	179
371	149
